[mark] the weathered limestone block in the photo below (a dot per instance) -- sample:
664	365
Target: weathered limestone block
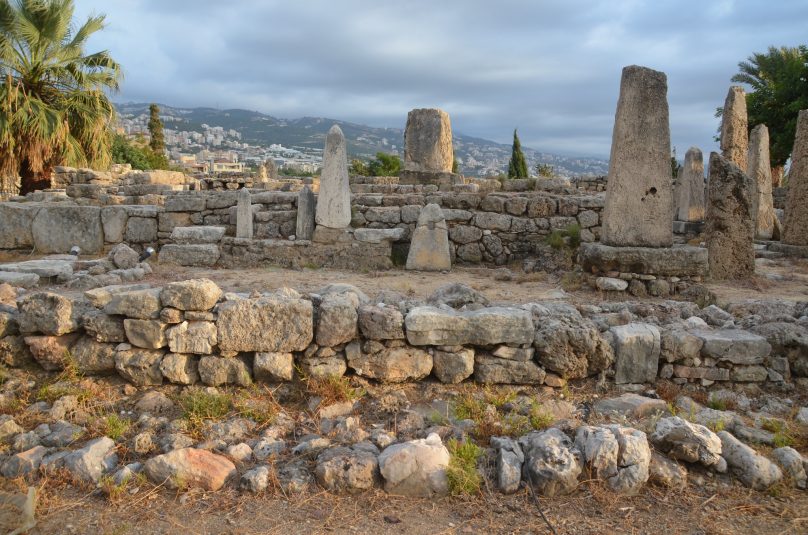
191	294
272	367
733	345
637	347
195	337
57	228
381	322
244	215
190	255
639	197
14	352
141	367
495	370
51	351
197	235
19	280
487	326
428	141
306	208
429	246
754	470
93	357
674	262
685	441
217	371
190	468
760	171
46	313
735	128
336	320
689	194
453	366
334	201
343	469
730	221
619	455
271	324
113	222
139	304
795	227
180	369
141	230
17	220
552	464
416	468
392	365
569	344
148	334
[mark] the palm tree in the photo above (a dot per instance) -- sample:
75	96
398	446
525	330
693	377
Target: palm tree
779	82
53	105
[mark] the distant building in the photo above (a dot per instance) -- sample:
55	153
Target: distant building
226	167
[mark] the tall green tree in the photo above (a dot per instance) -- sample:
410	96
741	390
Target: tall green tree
779	90
53	105
158	140
517	166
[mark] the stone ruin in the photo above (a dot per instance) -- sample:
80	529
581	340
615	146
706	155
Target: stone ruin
428	153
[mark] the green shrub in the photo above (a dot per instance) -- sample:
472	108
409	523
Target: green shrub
464	478
555	239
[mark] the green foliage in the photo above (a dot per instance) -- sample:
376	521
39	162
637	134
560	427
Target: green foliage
137	154
464	478
555	239
114	426
358	167
573	232
286	171
53	105
545	170
540	418
517	166
199	405
779	90
569	236
158	142
455	165
782	435
675	167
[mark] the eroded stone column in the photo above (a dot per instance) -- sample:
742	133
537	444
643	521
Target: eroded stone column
639	196
690	187
306	204
334	201
760	171
730	221
244	215
795	226
428	141
735	128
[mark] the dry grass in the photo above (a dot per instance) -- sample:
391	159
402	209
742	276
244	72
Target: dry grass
332	389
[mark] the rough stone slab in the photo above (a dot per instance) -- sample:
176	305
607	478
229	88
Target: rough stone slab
334	201
43	268
268	324
190	255
675	262
795	228
306	208
487	326
639	197
21	280
58	228
378	235
197	235
689	193
760	171
429	247
637	348
16	222
733	345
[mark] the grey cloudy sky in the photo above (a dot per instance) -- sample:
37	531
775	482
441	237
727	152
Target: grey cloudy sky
550	68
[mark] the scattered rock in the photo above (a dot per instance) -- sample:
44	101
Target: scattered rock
552	465
753	470
190	468
416	468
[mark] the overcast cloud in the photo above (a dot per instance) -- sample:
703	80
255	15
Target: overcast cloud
550	68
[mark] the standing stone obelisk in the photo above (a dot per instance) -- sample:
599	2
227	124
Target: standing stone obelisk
795	226
730	227
428	141
690	187
306	204
334	201
760	171
735	128
639	196
244	215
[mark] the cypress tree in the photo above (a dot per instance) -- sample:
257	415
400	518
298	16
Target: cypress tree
517	166
158	140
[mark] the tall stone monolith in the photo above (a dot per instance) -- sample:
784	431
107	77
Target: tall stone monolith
689	192
735	128
795	226
428	141
244	215
306	204
429	246
730	226
760	171
271	169
639	195
334	202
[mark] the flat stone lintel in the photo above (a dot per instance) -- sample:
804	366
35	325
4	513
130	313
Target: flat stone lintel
788	250
684	261
688	227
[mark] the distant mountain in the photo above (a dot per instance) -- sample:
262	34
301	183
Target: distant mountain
478	157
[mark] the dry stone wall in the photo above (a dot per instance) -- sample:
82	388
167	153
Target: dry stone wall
191	331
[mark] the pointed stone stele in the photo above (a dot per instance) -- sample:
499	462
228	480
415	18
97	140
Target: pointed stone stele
306	204
730	221
334	202
760	171
735	128
429	247
690	188
795	227
639	195
244	215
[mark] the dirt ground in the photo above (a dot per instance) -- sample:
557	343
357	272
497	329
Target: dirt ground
704	507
